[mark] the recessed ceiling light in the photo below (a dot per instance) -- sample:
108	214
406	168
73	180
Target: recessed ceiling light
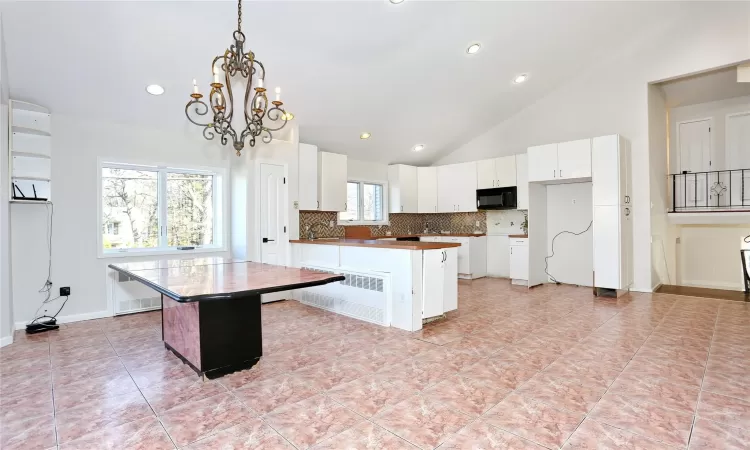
154	89
419	147
365	135
520	79
396	2
473	48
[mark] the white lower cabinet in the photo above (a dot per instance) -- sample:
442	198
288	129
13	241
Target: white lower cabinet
519	259
439	288
472	254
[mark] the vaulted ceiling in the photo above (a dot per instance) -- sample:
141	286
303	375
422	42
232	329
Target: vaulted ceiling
398	71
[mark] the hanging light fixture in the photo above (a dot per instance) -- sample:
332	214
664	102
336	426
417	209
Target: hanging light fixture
235	61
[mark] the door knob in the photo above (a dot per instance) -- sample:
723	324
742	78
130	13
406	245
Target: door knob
266	240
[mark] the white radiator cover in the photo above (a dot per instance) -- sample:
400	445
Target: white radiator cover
360	295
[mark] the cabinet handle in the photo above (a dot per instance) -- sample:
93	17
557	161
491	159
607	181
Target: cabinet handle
560	173
554	173
511	250
318	202
402	208
435	208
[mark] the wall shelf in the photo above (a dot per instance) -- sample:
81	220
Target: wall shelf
30	151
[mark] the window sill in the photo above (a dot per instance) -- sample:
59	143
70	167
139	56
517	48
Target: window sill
158	252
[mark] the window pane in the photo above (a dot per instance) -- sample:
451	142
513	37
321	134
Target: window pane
372	202
352	202
129	197
190	209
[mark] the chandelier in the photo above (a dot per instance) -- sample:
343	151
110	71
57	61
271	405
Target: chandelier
236	61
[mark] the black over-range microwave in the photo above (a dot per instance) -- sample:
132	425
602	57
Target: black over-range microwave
497	198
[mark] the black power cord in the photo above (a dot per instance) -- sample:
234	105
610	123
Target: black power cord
546	260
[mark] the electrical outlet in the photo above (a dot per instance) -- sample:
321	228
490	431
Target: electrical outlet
65	291
331	224
477	224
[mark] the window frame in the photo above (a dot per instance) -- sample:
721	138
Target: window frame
360	206
220	207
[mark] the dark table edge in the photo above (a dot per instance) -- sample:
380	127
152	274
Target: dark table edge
227	295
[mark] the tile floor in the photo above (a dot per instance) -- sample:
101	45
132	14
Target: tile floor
546	368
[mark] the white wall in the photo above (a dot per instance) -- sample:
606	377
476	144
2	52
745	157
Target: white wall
664	264
610	97
504	222
76	145
366	170
570	208
717	112
6	304
709	256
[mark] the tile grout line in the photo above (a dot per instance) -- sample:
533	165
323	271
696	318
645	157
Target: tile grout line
705	370
158	418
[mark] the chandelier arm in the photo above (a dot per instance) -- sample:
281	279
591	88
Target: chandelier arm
275	114
200	105
266	136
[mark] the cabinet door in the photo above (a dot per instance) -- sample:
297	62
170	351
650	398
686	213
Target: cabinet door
433	282
574	159
402	183
450	282
486	174
464	257
505	170
605	171
427	194
522	181
626	182
626	246
332	180
447	179
607	247
308	177
467	187
519	262
543	162
498	256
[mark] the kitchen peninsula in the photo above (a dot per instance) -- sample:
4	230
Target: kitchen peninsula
387	282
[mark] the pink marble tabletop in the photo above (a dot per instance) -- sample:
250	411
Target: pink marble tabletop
173	262
225	279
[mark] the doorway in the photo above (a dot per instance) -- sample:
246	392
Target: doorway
272	223
694	144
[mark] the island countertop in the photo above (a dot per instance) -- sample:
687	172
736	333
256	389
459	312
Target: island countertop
379	243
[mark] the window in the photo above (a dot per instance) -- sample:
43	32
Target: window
365	204
156	209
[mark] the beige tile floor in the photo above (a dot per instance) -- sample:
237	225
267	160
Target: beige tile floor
547	368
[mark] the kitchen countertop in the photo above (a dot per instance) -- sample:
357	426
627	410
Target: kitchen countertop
400	236
404	245
519	236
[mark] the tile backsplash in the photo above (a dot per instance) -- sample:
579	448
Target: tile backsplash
401	223
505	222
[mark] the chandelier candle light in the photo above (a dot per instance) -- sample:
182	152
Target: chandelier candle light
235	61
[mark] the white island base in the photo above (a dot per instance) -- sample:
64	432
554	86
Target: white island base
396	287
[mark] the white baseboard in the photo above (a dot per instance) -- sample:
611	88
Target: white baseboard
713	285
73	318
7	340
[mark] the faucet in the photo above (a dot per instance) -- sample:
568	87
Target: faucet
311	230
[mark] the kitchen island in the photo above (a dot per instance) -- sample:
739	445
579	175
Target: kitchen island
390	283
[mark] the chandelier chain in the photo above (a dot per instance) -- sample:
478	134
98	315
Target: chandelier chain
239	15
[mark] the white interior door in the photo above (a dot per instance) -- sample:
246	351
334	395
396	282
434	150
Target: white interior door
694	140
272	247
738	156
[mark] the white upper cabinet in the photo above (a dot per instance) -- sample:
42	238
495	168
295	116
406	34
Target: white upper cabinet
542	162
610	171
505	171
522	181
332	180
457	187
560	162
308	177
486	175
466	200
402	183
427	190
497	172
574	159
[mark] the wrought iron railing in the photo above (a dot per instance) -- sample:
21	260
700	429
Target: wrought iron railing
720	190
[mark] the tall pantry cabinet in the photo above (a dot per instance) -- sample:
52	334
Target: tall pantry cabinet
613	212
